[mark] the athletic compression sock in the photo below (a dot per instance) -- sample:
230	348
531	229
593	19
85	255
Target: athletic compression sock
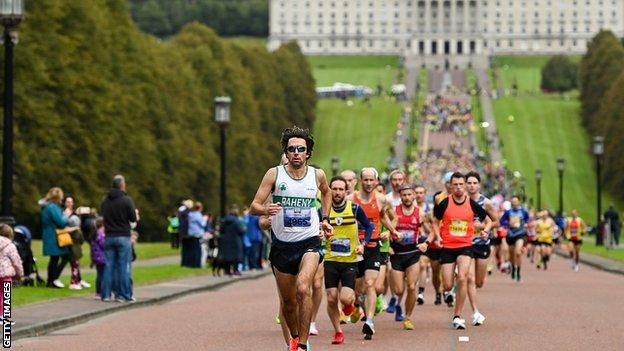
370	321
518	274
303	346
421	289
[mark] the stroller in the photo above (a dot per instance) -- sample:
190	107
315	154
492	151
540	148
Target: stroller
23	240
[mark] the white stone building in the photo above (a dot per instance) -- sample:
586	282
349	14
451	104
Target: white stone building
442	27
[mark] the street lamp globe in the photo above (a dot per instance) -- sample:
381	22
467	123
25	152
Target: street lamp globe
11	12
335	164
560	164
222	109
538	174
598	146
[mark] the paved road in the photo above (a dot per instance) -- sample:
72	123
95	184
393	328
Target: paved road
553	310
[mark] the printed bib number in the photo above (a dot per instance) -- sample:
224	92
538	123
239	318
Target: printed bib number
297	217
514	222
407	237
341	247
573	230
458	228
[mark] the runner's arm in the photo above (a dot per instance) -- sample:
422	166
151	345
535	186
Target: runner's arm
387	216
482	214
491	212
258	206
326	198
368	227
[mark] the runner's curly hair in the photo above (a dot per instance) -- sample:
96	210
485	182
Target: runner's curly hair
297	132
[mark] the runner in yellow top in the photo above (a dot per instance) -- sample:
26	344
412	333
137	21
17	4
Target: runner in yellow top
574	229
544	230
342	252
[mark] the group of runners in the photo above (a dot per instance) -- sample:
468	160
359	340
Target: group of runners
364	245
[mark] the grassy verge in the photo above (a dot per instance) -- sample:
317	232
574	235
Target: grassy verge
140	275
523	72
144	251
358	133
477	111
589	246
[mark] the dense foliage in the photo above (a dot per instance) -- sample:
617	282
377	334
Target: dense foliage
164	18
602	96
559	75
95	96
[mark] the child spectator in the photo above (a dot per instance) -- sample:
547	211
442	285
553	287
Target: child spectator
98	259
10	261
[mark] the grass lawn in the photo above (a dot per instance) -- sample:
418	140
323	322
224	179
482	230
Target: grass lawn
589	246
523	70
345	131
140	276
143	250
544	129
477	111
366	70
360	135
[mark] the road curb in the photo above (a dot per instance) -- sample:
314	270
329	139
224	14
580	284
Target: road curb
65	322
597	262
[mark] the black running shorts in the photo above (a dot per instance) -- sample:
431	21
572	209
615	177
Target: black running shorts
286	257
481	252
576	241
496	241
384	258
340	273
433	254
450	255
400	262
372	261
511	240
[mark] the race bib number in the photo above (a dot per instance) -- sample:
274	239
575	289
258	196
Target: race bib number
514	222
340	247
408	237
573	230
458	228
297	217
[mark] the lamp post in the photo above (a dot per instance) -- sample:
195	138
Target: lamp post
560	169
335	161
538	180
598	151
11	14
523	189
222	117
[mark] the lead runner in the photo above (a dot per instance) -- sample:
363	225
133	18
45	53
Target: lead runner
296	248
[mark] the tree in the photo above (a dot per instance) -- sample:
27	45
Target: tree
559	75
599	68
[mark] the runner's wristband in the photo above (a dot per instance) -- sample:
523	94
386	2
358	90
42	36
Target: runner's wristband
325	218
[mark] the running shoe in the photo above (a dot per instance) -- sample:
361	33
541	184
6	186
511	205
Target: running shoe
379	306
338	338
313	330
294	344
368	329
57	283
347	310
391	305
477	319
408	325
490	268
85	284
576	267
399	314
75	286
459	323
449	298
438	299
355	315
343	318
420	299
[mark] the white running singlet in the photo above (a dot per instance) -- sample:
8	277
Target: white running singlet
298	220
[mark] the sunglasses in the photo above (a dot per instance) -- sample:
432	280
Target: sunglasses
300	149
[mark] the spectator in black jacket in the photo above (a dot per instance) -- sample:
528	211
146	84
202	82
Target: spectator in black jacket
119	215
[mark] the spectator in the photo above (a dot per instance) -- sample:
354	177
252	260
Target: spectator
230	242
119	213
52	219
75	252
173	224
183	213
98	258
613	220
196	230
10	262
254	236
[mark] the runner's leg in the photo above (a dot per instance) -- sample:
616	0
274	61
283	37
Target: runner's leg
304	283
